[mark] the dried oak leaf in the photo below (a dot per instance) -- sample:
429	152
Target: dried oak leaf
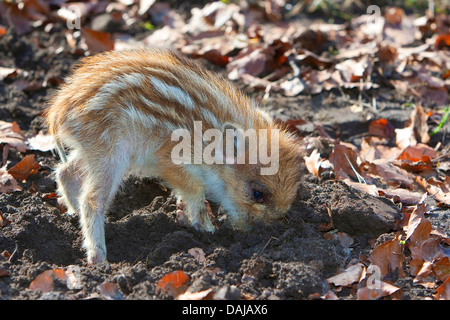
415	131
373	148
381	128
349	276
45	281
413	155
344	158
377	290
442	268
419	227
201	295
198	254
388	256
443	291
97	41
42	142
442	41
173	284
26	167
391	174
10	134
109	291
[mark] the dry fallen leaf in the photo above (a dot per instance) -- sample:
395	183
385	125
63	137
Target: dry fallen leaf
443	291
389	173
381	128
173	283
201	295
404	196
349	276
388	256
42	142
415	131
97	41
10	134
344	158
418	228
26	167
377	290
45	281
109	291
198	254
419	152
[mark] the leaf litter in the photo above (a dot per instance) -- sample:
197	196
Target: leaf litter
254	45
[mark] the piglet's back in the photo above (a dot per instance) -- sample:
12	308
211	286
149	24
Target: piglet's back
155	90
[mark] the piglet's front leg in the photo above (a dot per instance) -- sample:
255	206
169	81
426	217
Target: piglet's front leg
204	223
188	188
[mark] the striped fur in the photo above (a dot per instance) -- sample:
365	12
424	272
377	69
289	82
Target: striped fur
115	115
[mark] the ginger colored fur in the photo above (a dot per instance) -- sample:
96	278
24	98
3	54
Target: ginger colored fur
116	114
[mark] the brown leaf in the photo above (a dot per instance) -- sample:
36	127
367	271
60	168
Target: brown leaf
345	158
442	41
349	276
109	291
390	173
249	61
415	131
3	272
16	18
419	152
352	70
6	73
45	281
389	257
403	196
426	277
381	128
198	254
379	289
173	283
418	228
97	41
26	167
372	148
443	291
201	295
441	268
439	190
10	134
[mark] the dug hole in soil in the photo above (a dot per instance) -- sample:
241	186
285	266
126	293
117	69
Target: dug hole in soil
145	240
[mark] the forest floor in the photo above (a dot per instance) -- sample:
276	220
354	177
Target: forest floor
342	240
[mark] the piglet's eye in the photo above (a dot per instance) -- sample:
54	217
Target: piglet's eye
257	196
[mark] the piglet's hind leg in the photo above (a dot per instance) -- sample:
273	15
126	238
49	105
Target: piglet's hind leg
69	177
102	180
